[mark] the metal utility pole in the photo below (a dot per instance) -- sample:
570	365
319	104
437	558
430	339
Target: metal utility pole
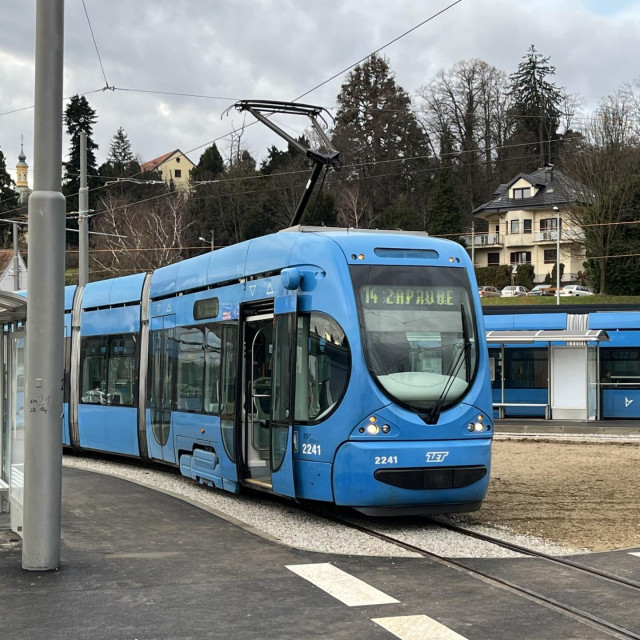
557	254
83	215
473	244
16	259
45	284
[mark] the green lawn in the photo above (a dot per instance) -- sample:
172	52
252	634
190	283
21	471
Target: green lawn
551	300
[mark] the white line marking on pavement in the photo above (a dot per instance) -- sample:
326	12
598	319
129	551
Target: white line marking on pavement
342	586
417	628
634	553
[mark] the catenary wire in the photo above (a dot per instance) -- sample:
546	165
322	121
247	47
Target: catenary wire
95	44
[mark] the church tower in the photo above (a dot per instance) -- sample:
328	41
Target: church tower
22	172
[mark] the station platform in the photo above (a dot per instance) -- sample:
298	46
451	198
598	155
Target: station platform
567	427
140	564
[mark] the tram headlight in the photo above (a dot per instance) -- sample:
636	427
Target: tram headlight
478	426
372	428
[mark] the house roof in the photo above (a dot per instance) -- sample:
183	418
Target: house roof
156	162
554	188
6	256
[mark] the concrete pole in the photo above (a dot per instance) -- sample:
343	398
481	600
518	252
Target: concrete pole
45	285
473	244
16	259
83	213
557	254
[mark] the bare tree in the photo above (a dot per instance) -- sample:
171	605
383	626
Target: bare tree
139	236
464	109
352	206
607	166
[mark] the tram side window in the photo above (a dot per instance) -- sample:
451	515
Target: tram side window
108	369
323	365
94	370
526	368
228	372
122	371
213	349
190	379
620	365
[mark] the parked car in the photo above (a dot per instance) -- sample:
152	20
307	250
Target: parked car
576	290
488	292
542	290
514	291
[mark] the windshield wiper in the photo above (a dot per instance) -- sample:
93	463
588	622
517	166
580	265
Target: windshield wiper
454	367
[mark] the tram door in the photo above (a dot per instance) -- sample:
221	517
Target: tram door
160	391
269	347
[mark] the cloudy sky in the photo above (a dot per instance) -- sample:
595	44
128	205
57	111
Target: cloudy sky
280	49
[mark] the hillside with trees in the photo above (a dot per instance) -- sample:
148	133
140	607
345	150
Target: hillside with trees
412	158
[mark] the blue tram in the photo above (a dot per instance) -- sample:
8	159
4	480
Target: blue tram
330	365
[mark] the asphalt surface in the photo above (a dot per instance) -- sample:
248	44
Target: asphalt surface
140	564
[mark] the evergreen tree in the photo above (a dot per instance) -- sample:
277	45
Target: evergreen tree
120	162
536	102
8	197
210	166
375	127
444	215
79	116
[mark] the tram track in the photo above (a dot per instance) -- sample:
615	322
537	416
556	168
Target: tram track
594	621
619	580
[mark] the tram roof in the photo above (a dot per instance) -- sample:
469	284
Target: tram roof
559	335
13	307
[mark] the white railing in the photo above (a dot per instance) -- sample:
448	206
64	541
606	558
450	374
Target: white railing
574	235
481	239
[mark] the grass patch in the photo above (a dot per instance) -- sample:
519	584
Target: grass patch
564	300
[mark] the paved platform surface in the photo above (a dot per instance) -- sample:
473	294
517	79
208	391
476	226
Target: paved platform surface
568	427
140	564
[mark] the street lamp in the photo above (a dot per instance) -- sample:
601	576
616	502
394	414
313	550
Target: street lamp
557	254
211	241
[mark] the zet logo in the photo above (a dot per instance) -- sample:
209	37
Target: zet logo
627	402
436	456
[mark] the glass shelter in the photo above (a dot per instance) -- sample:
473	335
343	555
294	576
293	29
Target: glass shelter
546	373
13	313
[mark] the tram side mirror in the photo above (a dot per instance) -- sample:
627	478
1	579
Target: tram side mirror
291	278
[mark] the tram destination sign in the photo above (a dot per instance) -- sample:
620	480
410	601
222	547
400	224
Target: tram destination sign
409	296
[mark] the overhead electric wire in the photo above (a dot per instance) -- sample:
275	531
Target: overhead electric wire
384	46
95	44
177	93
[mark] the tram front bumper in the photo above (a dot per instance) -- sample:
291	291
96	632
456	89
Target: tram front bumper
446	474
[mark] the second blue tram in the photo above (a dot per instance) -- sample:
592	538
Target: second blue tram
332	365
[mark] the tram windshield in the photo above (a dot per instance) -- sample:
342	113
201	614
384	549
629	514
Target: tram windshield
419	333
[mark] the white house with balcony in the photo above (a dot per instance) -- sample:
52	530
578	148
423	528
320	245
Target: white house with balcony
524	219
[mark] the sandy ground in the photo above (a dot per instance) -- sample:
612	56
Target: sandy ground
586	495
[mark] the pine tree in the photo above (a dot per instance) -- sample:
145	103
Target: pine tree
536	102
8	197
375	125
210	166
120	162
120	149
79	116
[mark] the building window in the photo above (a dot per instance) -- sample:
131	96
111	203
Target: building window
550	256
521	193
549	224
493	259
515	226
177	160
520	257
526	226
178	173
